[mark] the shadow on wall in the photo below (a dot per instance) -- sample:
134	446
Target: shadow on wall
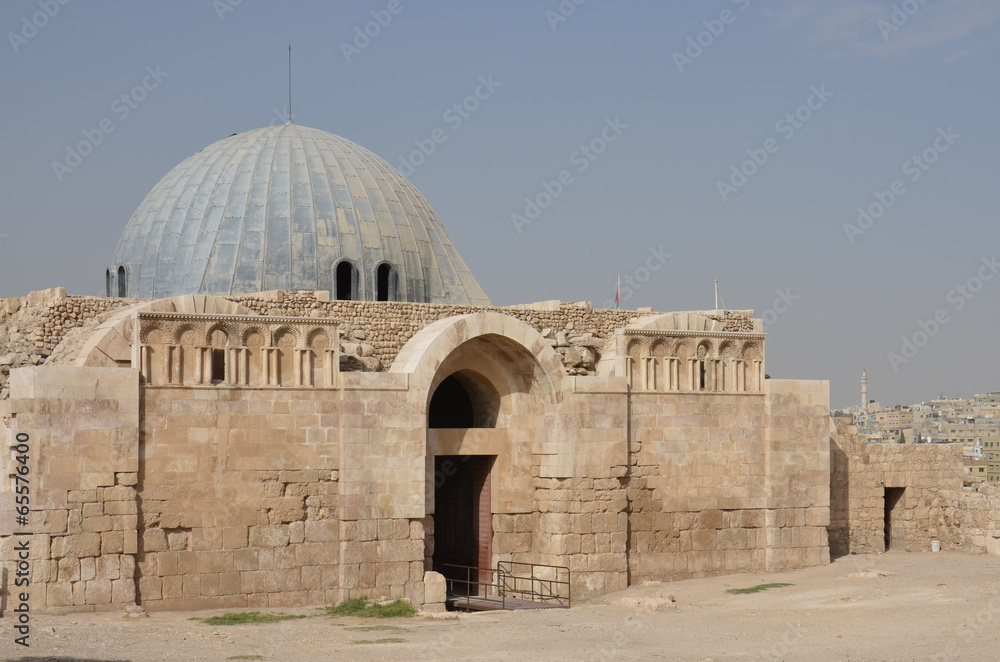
840	493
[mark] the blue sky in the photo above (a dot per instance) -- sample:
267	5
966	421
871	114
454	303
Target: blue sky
747	135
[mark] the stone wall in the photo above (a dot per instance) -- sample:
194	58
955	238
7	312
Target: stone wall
263	492
582	523
708	498
31	327
387	326
238	498
970	519
860	474
49	326
83	433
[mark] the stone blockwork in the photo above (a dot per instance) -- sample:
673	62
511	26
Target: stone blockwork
31	327
239	498
581	523
241	463
970	519
861	473
82	429
50	327
576	330
707	499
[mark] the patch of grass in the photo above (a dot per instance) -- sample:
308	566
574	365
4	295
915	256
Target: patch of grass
363	608
247	617
373	628
246	657
388	640
756	589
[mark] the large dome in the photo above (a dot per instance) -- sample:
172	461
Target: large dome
289	208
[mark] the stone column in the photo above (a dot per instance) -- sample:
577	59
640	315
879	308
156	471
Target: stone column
199	365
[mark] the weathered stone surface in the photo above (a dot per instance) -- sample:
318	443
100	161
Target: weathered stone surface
435	591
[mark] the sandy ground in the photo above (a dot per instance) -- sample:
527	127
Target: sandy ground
895	606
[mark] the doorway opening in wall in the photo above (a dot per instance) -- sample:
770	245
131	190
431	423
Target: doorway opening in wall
463	520
218	366
892	497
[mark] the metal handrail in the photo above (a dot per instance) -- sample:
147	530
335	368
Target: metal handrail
539	589
503	582
478	584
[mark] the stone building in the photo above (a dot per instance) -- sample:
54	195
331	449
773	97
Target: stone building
196	442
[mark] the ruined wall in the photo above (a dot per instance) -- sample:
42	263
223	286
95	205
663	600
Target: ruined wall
49	326
861	472
728	483
970	519
387	326
31	327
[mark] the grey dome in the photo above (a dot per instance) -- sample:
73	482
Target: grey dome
289	208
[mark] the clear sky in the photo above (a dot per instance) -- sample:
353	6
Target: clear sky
729	139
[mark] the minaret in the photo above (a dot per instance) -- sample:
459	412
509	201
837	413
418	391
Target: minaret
864	391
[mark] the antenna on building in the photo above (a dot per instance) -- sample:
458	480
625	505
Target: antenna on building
718	297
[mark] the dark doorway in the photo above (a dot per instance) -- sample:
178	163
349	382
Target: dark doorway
344	281
892	497
383	283
218	366
463	520
122	284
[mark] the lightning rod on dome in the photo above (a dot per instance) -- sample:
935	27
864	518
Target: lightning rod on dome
289	83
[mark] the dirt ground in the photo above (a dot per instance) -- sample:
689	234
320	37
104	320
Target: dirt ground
895	606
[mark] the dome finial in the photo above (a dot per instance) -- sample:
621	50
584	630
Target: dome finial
289	84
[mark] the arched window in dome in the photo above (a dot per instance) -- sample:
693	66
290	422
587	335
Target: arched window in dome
122	284
108	280
385	282
345	281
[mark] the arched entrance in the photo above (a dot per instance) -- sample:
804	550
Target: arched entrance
500	376
463	529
